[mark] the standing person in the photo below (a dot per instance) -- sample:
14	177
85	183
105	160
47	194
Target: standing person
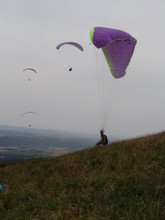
103	139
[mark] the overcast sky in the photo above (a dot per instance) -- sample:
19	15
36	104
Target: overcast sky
30	31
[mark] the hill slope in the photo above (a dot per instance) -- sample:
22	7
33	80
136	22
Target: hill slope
125	180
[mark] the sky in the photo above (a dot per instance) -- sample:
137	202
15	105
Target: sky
69	100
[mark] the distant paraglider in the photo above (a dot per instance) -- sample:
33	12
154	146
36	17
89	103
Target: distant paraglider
74	44
29	70
29	113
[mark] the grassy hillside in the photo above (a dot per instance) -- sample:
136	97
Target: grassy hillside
125	180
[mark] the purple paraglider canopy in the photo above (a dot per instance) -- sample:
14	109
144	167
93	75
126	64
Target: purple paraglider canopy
118	47
70	43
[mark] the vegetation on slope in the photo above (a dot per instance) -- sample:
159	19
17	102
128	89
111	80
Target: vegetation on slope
124	180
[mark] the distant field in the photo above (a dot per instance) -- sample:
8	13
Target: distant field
29	152
18	144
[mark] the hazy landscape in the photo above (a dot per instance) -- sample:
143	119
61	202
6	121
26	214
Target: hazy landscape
18	144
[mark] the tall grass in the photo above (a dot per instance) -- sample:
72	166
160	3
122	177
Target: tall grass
124	180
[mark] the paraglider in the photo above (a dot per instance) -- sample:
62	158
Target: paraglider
74	44
117	47
29	113
29	70
103	139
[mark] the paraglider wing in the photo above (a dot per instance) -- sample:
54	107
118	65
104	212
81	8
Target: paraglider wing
118	54
70	43
30	69
118	47
29	113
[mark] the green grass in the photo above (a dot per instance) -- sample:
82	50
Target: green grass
124	180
